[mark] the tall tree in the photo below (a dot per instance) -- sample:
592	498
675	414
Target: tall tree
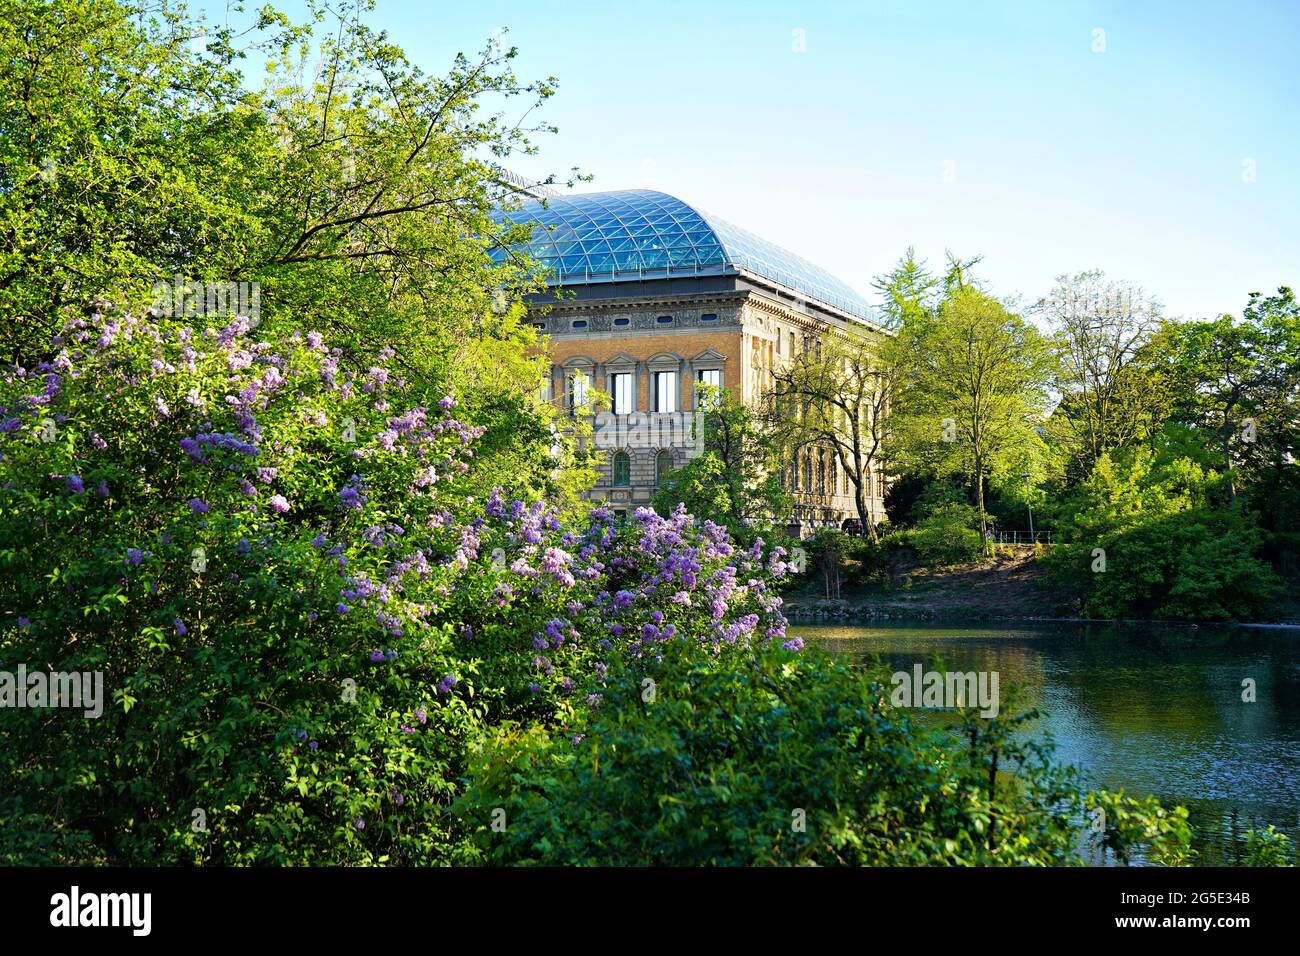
837	395
1109	397
976	390
908	291
1238	383
352	187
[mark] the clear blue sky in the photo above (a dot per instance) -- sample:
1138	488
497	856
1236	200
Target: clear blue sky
1061	158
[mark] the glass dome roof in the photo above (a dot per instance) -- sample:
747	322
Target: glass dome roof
643	234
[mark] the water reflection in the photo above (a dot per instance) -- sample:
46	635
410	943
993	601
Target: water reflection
1151	710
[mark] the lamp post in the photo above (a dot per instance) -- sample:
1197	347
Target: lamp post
1030	507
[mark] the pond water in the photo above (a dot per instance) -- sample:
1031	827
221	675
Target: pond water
1152	710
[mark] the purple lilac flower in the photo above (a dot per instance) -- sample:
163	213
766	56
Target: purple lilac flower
351	497
134	556
75	484
279	504
180	627
198	506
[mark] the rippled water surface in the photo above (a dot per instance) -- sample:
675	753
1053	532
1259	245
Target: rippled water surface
1152	710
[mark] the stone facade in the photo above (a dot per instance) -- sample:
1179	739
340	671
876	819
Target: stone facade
667	343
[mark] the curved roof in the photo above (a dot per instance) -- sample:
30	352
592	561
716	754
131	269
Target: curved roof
633	234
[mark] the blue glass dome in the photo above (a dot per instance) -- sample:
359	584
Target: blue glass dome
635	234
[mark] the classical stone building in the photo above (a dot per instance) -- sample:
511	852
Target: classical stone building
658	297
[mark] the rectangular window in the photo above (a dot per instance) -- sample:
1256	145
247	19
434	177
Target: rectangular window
665	392
620	390
711	377
578	388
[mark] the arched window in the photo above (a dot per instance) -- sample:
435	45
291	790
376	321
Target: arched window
807	472
622	469
663	465
821	474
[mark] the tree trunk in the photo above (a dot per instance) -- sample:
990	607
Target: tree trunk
864	511
984	524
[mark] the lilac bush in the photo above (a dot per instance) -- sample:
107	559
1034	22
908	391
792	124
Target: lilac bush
306	609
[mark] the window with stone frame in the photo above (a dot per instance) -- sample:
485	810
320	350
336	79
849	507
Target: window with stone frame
577	389
663	466
665	392
622	387
711	377
621	470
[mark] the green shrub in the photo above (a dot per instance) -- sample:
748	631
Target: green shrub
1268	847
1127	823
1147	541
695	758
946	537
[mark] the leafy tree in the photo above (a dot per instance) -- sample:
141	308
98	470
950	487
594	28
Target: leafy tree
908	292
126	155
976	390
1110	397
1154	539
351	187
837	394
1237	383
